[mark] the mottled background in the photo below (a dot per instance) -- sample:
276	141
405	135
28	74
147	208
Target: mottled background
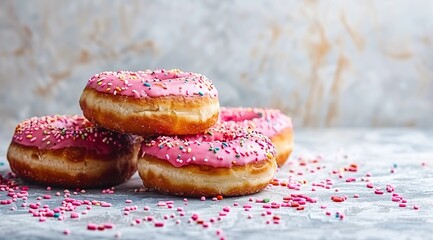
326	63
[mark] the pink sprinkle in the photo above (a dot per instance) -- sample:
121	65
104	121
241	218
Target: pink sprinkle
42	219
146	208
47	196
203	198
49	188
159	224
33	206
75	215
66	231
108	225
402	205
91	226
377	191
128	201
355	195
370	185
105	204
161	204
194	216
415	207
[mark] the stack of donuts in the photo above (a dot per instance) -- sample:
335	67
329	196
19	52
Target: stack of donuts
167	124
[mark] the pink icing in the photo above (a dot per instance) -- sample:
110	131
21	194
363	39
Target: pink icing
267	121
153	83
57	132
220	146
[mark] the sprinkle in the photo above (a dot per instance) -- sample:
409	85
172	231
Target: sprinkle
200	93
91	226
147	84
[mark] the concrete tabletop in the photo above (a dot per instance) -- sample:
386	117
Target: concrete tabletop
338	184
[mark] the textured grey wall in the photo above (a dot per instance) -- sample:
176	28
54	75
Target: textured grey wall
345	63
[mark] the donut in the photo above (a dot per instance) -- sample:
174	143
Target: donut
69	151
271	122
227	161
160	102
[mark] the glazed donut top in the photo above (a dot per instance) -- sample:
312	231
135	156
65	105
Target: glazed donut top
153	84
56	132
267	121
220	146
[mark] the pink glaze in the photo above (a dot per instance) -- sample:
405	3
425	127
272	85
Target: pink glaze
221	146
57	132
267	121
153	83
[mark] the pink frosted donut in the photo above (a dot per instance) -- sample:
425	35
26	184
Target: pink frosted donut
69	151
167	102
225	160
271	122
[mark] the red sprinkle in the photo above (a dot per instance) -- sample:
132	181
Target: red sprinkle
159	224
91	226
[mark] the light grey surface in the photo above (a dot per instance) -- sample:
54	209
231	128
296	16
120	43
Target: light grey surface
346	63
370	216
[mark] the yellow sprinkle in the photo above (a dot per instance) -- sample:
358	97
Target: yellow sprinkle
269	155
29	136
174	71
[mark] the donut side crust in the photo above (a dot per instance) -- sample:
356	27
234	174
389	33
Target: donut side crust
72	167
199	180
169	115
283	142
